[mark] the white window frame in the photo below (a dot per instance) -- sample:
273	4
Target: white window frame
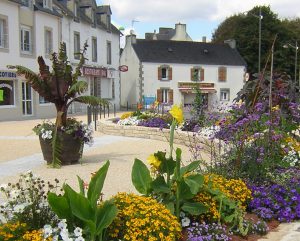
3	32
48	42
22	32
75	9
108	52
43	102
76	45
47	4
167	73
165	95
224	94
94	49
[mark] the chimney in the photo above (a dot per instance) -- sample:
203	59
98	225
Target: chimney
131	38
180	33
231	43
204	39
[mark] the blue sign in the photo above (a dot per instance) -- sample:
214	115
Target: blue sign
149	100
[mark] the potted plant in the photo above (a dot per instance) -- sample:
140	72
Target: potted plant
64	139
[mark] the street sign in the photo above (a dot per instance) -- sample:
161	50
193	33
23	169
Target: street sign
123	68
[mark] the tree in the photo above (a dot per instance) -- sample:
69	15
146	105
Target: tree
244	28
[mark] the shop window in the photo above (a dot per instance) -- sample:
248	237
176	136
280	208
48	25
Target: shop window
7	93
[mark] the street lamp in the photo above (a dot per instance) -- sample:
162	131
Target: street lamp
296	57
260	17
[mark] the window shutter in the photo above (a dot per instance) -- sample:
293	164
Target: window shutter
222	73
159	95
192	74
159	73
201	74
170	73
170	96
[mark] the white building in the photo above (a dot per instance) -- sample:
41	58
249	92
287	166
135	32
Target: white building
170	71
32	28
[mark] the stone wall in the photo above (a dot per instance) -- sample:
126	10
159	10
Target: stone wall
180	137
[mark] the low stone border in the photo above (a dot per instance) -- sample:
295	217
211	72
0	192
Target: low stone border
180	137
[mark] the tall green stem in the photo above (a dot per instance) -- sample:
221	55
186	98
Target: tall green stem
172	130
178	161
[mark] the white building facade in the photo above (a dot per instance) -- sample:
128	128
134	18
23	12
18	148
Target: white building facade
29	29
171	70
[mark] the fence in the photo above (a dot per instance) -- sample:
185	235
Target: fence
97	112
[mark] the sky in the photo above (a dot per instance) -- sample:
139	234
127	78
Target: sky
202	17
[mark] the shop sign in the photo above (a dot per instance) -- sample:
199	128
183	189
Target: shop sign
191	85
4	75
92	71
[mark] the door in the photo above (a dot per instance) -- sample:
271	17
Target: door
26	99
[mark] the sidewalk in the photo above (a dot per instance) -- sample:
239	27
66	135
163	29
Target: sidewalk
20	151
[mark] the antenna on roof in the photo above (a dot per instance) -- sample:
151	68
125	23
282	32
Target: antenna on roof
133	21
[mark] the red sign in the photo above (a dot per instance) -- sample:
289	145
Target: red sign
91	71
123	68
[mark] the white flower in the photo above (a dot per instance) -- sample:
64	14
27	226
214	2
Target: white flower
62	224
80	239
47	231
185	222
3	187
19	208
78	232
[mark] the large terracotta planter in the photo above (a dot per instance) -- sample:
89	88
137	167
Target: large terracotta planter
71	149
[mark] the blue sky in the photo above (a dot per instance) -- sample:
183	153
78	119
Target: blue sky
201	16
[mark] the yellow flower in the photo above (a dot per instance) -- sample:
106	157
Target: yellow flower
275	108
177	113
153	161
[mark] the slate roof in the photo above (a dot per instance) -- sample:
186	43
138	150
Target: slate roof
187	52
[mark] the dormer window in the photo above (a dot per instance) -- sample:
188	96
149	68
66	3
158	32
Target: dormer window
47	4
27	3
75	10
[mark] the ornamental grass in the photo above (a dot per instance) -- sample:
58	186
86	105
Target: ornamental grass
143	218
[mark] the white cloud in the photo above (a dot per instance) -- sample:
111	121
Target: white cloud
178	10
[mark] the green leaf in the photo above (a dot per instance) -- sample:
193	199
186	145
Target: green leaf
184	191
189	168
194	208
78	87
59	205
96	184
194	182
91	100
81	208
171	207
167	164
105	215
159	185
141	177
81	185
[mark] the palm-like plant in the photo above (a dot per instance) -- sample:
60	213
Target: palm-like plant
59	86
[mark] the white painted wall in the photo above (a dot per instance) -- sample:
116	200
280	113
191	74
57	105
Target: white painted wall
181	73
130	80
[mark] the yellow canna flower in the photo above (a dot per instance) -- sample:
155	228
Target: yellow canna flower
153	161
177	113
275	108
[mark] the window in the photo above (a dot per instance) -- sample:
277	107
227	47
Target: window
197	74
42	100
26	3
113	95
165	95
108	52
3	33
47	4
26	42
7	92
164	73
76	45
75	9
222	72
94	49
224	94
48	42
